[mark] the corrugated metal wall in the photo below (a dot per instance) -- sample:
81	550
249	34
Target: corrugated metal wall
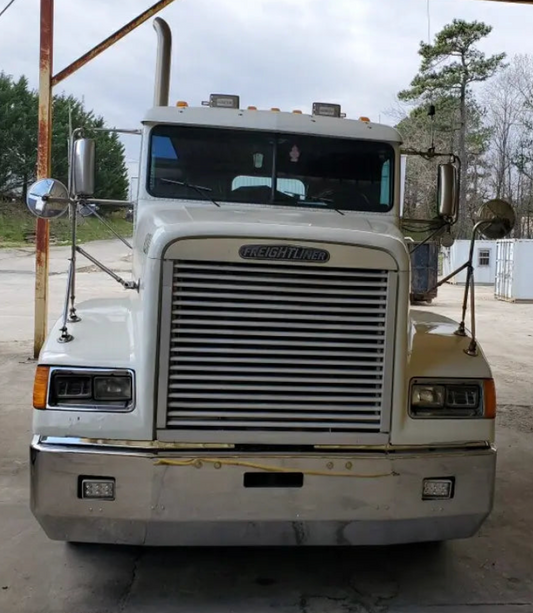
514	279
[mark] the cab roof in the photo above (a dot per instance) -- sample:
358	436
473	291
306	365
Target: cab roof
272	121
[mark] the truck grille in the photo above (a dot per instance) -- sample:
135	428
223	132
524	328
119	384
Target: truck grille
276	347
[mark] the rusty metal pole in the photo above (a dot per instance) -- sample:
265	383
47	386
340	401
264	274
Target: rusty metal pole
44	147
44	154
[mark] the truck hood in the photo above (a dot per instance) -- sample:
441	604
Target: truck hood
159	225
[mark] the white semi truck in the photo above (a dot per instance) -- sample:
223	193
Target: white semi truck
263	381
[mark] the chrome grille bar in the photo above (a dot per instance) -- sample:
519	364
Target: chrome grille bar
276	348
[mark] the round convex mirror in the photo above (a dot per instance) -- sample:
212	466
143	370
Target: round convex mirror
447	239
47	198
501	216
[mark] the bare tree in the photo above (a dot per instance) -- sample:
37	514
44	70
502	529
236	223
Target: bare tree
504	104
509	101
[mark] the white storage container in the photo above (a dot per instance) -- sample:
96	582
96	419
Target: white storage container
484	261
514	270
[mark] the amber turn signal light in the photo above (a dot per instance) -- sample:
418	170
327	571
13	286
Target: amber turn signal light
40	387
489	398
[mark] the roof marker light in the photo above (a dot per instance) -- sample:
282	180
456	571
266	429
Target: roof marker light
365	119
325	109
297	112
252	108
182	104
224	101
275	109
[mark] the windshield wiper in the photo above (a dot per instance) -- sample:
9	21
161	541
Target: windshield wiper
318	200
197	188
306	200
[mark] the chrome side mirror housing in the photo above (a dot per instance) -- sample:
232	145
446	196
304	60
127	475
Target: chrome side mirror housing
48	199
448	192
83	168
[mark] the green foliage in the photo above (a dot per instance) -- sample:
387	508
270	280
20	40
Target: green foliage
18	141
18	133
452	63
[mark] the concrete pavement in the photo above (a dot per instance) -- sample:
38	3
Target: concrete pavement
17	270
491	573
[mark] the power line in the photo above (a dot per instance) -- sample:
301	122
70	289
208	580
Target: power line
432	109
6	7
429	20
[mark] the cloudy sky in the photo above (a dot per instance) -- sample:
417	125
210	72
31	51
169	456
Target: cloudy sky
285	53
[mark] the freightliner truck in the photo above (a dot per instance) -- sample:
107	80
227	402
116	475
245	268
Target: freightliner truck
263	380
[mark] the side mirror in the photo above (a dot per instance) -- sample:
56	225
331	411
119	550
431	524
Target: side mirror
497	219
448	194
83	167
48	199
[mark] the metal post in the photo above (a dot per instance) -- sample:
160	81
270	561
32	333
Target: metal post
44	147
44	154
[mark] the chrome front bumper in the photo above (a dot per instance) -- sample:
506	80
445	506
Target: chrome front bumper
199	498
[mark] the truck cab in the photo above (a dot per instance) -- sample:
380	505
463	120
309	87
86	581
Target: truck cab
264	380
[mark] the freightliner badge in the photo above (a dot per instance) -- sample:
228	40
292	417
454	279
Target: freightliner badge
291	253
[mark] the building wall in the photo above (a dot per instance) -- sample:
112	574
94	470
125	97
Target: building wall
484	261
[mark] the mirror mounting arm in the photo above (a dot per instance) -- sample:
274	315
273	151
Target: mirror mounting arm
66	337
104	201
73	317
109	227
469	285
430	154
472	348
125	284
469	291
435	233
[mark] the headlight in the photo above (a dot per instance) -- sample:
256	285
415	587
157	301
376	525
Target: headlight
446	399
115	387
428	396
72	387
96	390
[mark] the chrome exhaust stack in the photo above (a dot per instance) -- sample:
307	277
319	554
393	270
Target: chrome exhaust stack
162	70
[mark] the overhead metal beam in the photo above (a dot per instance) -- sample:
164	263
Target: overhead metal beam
110	40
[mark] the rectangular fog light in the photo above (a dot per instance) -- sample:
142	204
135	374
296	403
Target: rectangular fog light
437	489
98	489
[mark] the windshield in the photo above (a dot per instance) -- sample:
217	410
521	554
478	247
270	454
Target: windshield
263	168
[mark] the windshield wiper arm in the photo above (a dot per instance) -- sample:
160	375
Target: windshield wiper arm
317	200
197	188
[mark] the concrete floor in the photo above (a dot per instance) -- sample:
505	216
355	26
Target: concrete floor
490	573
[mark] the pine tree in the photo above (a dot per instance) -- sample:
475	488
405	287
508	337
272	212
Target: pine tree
449	67
420	132
111	172
18	142
18	134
